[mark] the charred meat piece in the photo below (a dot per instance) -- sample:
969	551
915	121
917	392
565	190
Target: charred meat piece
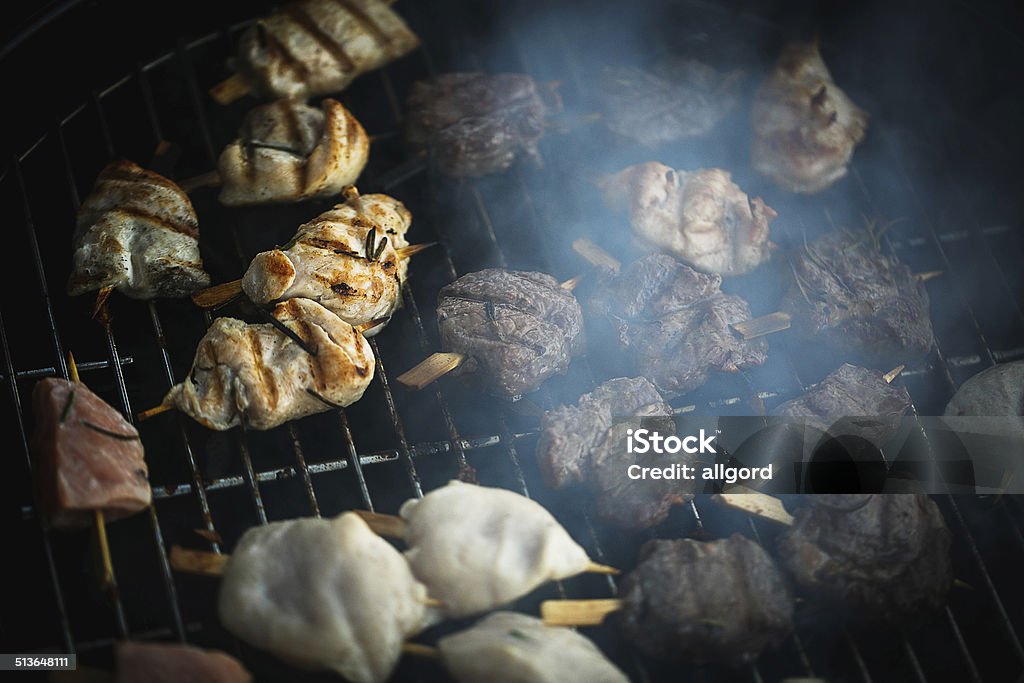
674	323
317	47
288	151
476	123
996	391
87	457
852	392
259	376
514	648
331	260
137	232
476	547
723	600
679	98
882	557
805	127
516	328
847	296
323	594
166	663
700	217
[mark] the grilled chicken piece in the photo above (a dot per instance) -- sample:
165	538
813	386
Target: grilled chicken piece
517	328
673	322
701	217
678	99
87	457
323	594
331	261
996	391
259	377
477	548
475	123
166	663
287	151
852	299
513	648
317	47
805	127
137	232
880	557
706	601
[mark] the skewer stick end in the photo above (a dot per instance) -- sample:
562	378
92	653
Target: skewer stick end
755	503
578	612
230	89
595	255
101	302
419	650
413	249
208	179
925	277
383	525
197	561
571	284
763	325
596	568
146	414
217	295
73	369
431	369
107	576
363	328
893	374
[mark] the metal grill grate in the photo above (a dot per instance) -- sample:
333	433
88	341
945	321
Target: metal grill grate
395	444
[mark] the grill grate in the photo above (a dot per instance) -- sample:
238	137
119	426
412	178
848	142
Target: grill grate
225	483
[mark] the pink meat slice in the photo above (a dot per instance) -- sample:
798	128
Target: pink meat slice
167	663
87	456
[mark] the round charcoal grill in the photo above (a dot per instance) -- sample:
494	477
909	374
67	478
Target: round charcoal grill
393	444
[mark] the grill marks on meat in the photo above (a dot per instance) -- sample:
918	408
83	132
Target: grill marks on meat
848	296
999	390
475	123
516	328
584	445
674	322
257	376
164	663
881	557
328	262
701	217
136	232
805	127
514	648
318	47
323	594
477	548
720	600
678	99
87	456
288	151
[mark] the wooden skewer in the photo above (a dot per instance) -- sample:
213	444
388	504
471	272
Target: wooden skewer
762	325
419	650
146	414
101	300
435	366
595	255
578	612
208	179
926	276
571	284
893	374
230	89
756	503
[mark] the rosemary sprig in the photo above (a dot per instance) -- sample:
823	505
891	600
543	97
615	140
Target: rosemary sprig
323	400
371	243
106	432
67	406
380	249
287	331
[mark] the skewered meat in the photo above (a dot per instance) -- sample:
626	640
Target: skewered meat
331	261
719	600
165	663
477	548
87	456
517	328
288	151
849	297
674	323
475	123
585	444
679	98
323	594
513	648
318	47
260	377
805	127
998	390
701	217
880	556
137	232
852	392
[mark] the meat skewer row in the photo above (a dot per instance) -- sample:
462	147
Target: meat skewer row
288	151
723	600
303	360
137	232
315	47
511	329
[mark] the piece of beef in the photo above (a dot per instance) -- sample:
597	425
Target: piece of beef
850	298
723	600
167	663
881	557
475	123
999	390
674	322
87	456
516	328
